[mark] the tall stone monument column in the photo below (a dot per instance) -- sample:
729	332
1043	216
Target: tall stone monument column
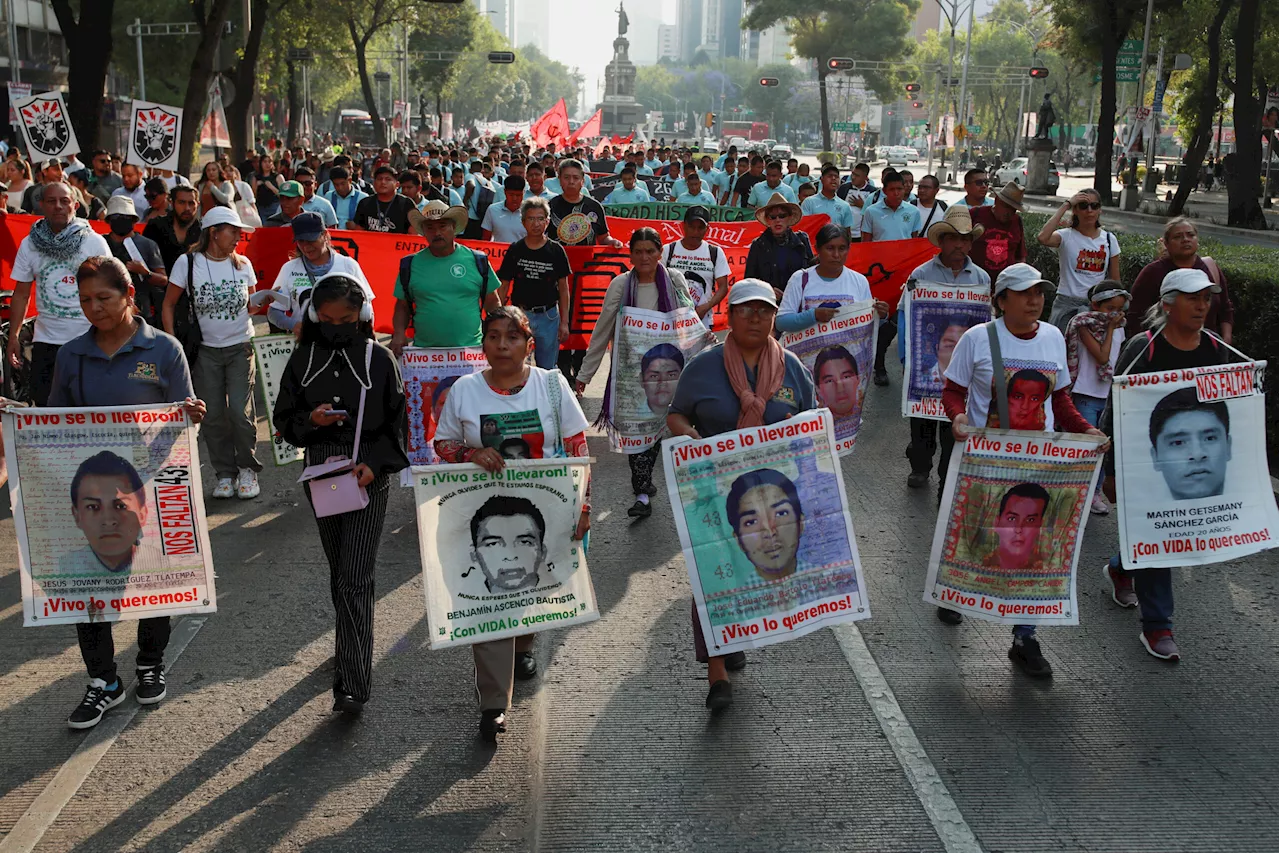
620	112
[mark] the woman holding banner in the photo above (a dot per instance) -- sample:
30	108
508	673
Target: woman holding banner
1177	340
104	367
748	381
649	286
484	411
831	284
336	368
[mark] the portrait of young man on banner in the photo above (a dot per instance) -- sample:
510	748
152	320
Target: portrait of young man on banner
841	354
497	551
1012	520
429	375
937	316
109	512
766	532
1191	467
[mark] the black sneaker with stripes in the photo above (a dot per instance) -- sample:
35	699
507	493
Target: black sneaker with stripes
97	701
151	688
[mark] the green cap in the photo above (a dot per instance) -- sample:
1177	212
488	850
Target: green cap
290	189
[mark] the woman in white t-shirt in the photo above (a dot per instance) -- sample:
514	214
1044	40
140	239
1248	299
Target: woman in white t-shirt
1038	387
507	412
814	295
1093	343
1087	253
315	258
222	371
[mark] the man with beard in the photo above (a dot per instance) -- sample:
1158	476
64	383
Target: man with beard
177	230
131	178
46	263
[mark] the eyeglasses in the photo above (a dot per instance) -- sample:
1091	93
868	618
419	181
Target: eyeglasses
750	312
1088	205
774	217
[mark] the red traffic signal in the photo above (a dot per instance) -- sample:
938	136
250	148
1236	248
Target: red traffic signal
839	63
917	104
913	87
769	81
1039	72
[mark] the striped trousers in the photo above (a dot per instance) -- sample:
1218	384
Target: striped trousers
350	543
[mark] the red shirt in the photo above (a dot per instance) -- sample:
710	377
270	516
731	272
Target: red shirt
1002	244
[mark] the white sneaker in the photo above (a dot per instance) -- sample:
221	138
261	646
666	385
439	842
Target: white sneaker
226	488
248	487
1100	505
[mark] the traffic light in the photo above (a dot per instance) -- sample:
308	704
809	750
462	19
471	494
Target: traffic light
913	87
839	63
769	81
917	104
888	112
501	57
1039	72
708	119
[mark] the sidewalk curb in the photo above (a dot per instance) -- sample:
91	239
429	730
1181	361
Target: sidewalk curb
1047	204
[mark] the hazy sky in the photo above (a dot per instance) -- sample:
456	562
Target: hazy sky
582	33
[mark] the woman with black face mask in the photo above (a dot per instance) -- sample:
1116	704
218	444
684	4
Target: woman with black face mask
318	409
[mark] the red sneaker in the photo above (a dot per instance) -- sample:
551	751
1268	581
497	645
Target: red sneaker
1160	644
1122	592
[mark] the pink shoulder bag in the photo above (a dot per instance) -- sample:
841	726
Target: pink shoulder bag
333	486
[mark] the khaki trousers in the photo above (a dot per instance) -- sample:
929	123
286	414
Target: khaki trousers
495	670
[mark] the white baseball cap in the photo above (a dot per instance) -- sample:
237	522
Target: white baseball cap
1187	281
1020	277
223	216
752	290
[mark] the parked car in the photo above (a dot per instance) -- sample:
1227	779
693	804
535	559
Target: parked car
739	142
768	143
1016	171
781	151
899	154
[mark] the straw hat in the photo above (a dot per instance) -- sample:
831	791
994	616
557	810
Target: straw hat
955	221
1010	194
779	200
434	210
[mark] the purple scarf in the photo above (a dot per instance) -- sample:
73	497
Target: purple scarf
666	304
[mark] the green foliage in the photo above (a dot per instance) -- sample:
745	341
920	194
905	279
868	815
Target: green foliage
1251	278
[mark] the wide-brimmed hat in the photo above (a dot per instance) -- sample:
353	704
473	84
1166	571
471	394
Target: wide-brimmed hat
779	200
435	210
1010	194
955	221
121	205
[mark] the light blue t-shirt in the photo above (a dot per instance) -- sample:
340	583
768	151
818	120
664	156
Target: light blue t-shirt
837	208
762	192
480	182
703	197
885	224
714	180
316	204
794	181
622	195
678	187
654	164
546	193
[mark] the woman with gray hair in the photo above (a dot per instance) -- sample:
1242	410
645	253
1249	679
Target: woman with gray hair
1087	254
535	278
1181	251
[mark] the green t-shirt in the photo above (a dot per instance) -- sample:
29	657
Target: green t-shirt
446	294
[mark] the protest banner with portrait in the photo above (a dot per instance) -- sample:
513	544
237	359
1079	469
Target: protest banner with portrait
650	350
271	353
109	512
1192	481
1012	519
937	316
498	559
428	374
765	528
840	353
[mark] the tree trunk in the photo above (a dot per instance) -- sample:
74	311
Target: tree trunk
193	105
240	113
89	54
294	131
1243	210
822	106
439	114
1103	153
1207	100
366	87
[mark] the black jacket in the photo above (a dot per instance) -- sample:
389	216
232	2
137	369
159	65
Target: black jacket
774	262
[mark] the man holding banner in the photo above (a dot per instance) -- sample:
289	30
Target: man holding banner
981	383
1190	464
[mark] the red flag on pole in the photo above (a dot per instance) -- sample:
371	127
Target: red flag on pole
590	128
552	127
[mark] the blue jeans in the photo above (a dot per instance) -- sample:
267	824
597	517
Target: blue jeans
1154	588
1090	408
546	336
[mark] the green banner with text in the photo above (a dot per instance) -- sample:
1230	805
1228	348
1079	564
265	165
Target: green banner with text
675	212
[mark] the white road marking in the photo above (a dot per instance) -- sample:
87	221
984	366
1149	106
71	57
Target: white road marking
41	814
953	831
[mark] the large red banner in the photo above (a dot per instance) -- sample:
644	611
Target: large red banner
887	265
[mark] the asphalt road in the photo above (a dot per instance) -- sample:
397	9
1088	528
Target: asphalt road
900	735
